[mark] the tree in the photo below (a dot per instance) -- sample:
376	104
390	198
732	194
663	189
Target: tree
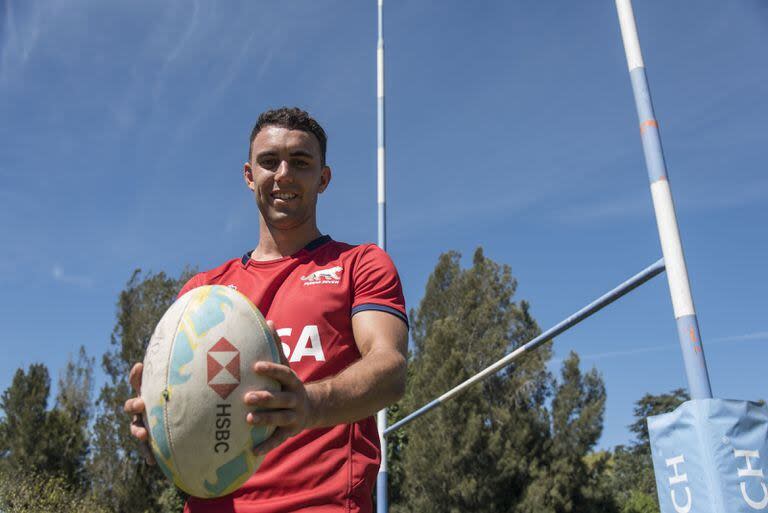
567	481
23	428
120	476
52	443
70	419
475	452
633	476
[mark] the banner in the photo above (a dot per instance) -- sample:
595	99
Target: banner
711	456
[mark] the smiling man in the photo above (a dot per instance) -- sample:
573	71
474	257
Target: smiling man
339	312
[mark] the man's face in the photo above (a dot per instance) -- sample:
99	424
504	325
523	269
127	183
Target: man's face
286	174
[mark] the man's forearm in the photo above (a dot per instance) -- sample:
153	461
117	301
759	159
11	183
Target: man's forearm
360	390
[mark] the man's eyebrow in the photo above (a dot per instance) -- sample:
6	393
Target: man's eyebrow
295	153
302	153
266	153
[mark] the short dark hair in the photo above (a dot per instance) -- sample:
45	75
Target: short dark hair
291	118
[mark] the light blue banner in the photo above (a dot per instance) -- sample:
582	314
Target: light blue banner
711	456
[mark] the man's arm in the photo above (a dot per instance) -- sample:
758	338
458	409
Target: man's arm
363	388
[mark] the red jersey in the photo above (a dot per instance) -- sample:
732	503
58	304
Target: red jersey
311	296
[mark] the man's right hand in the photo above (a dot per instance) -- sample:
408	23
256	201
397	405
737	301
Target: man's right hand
135	407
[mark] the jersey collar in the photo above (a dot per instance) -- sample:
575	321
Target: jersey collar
323	239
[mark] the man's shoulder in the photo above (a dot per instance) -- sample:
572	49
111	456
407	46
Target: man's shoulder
211	276
358	259
346	249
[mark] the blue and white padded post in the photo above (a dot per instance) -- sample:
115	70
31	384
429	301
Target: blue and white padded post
709	455
382	505
677	274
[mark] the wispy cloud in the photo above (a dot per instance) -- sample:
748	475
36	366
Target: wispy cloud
640	205
17	42
759	335
614	354
633	206
192	24
22	29
211	97
672	346
59	275
178	48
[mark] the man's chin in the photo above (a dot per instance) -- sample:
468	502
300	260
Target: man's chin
285	222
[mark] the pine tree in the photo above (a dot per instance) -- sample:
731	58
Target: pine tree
474	453
633	477
566	482
44	442
120	477
23	428
70	419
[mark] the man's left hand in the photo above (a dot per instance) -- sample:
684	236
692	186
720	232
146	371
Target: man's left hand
289	410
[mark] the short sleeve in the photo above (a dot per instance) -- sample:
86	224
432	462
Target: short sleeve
195	281
376	285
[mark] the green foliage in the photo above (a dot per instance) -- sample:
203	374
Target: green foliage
52	450
23	427
633	468
69	419
42	493
640	502
120	478
496	446
566	483
35	439
650	405
466	455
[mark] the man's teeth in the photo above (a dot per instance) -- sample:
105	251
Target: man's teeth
283	196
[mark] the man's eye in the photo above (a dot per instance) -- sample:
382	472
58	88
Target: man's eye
268	163
300	163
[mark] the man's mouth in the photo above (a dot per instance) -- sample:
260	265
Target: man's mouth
285	196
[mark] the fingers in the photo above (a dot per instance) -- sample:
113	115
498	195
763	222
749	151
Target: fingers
138	430
134	405
271	400
272	418
281	373
135	377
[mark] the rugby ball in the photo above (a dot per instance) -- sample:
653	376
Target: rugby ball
197	369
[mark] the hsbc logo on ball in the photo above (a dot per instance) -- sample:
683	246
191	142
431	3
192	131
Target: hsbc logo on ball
223	368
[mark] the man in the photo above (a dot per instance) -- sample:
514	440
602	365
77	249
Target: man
340	314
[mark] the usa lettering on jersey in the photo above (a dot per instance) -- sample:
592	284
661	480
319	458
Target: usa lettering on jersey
308	345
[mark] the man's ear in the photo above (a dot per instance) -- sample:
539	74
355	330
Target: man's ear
248	176
325	178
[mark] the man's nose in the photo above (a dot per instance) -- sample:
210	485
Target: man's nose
284	173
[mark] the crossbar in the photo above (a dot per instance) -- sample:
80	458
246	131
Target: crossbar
567	323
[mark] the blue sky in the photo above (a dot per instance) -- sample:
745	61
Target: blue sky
511	126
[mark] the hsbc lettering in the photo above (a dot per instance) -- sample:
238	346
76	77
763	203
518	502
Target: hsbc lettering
308	344
748	456
223	422
679	478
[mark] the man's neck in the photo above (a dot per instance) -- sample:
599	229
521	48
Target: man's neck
275	243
